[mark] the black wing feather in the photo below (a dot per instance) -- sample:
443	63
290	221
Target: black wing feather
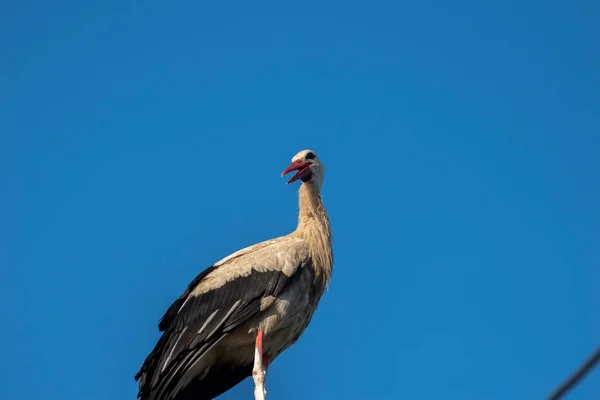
194	324
171	313
217	381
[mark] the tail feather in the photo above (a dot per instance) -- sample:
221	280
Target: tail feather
219	379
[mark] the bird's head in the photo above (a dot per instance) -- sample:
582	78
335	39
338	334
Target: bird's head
308	166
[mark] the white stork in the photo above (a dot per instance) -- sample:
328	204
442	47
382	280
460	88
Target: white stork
242	312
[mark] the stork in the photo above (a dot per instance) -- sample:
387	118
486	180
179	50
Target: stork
243	311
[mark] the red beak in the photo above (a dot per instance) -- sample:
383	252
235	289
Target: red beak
302	167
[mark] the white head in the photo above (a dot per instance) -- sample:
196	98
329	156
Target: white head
309	167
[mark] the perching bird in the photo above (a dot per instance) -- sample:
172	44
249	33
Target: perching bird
242	312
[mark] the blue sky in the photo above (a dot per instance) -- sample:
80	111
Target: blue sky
142	141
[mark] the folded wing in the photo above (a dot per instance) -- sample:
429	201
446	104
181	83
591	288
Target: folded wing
215	303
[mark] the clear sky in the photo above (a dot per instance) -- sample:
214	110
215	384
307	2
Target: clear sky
142	141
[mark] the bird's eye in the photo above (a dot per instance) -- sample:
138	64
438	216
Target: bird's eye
310	156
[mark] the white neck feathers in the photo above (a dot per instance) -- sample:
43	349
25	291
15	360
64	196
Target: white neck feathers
313	227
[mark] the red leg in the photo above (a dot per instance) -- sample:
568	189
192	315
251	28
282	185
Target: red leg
259	370
259	341
259	345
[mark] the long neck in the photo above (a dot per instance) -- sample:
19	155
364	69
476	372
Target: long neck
313	227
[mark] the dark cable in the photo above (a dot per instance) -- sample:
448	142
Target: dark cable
577	375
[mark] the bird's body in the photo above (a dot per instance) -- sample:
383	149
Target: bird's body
269	291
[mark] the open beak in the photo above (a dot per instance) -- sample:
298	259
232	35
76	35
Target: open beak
302	167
